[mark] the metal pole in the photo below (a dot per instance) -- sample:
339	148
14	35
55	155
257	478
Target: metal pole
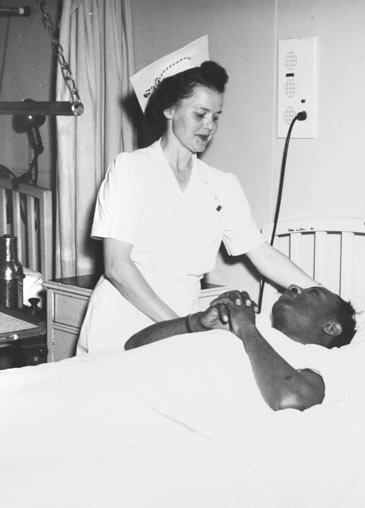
41	108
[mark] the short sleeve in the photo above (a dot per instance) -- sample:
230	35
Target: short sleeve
240	233
118	205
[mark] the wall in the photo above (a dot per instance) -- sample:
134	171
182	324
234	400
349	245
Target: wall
324	176
27	72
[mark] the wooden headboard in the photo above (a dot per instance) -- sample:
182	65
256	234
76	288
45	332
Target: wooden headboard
26	212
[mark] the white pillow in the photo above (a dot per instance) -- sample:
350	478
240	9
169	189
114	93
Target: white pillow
360	327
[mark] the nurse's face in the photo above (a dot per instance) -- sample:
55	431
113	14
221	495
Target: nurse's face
194	120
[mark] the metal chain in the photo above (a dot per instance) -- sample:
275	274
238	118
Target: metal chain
77	106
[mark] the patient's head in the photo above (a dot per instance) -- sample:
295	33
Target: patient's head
314	316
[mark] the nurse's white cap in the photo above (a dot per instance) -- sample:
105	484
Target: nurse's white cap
146	80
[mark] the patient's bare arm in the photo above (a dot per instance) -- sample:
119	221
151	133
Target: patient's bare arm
280	384
199	322
215	317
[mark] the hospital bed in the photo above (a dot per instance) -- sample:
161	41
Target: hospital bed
180	423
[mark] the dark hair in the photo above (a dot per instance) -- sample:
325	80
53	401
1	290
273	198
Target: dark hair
345	315
175	88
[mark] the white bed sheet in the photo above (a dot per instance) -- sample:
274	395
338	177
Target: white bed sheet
179	423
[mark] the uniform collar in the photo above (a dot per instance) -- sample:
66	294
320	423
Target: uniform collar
198	180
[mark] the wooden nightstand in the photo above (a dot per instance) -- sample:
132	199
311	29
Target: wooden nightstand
67	301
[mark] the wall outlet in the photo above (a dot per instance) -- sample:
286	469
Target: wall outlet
297	86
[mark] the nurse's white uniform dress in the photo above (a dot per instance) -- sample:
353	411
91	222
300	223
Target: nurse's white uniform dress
175	236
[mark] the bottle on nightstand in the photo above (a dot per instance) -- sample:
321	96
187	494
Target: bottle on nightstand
11	274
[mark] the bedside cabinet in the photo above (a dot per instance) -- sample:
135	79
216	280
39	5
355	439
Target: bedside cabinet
22	337
67	301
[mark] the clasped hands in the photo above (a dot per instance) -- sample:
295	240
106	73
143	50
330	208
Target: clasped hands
233	310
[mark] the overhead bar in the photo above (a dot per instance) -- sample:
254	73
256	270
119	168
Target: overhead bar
41	108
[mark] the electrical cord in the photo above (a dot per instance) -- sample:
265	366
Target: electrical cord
6	172
3	58
30	177
300	116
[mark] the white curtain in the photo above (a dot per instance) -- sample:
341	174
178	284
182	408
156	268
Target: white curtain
96	37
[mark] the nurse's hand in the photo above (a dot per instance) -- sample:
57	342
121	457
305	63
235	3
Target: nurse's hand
217	315
232	297
211	319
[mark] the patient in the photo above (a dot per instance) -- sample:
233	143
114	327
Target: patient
313	316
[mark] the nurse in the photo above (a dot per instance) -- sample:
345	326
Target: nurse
162	213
